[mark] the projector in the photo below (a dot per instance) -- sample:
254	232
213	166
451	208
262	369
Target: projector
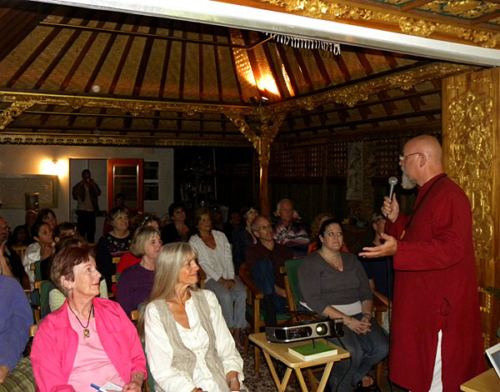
304	331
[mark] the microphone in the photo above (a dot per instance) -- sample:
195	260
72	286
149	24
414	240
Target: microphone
393	181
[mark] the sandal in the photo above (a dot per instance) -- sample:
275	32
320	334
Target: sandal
372	388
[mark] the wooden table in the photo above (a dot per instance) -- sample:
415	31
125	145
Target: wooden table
280	352
485	382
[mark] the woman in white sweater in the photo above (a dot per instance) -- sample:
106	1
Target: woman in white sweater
215	257
188	345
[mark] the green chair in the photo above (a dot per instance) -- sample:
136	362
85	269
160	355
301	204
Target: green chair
292	282
254	314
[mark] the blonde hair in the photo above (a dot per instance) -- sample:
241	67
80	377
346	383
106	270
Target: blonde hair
141	236
171	260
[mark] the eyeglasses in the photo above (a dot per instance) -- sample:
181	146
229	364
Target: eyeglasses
403	158
6	228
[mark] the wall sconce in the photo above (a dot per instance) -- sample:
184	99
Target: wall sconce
53	167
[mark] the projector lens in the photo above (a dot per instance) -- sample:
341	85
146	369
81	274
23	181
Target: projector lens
321	329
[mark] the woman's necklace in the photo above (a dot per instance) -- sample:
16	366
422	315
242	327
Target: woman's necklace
86	332
335	262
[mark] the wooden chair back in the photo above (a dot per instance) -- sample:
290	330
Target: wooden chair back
292	282
20	250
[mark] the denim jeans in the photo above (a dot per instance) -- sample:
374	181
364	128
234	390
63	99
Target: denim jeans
232	302
366	351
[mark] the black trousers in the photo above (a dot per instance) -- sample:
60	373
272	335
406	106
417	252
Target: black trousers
86	224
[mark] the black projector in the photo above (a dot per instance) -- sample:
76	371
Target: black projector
304	331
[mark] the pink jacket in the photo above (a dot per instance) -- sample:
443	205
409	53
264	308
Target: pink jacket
55	344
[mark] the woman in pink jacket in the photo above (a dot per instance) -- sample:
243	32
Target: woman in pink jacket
88	340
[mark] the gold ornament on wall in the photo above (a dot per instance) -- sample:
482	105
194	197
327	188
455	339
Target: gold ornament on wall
471	148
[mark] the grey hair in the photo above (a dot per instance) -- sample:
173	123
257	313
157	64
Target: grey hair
281	201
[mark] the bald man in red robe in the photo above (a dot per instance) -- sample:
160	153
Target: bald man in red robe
436	340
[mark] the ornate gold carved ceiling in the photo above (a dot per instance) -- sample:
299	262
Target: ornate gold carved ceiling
81	76
467	21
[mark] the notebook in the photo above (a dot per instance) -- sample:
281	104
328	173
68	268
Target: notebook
494	357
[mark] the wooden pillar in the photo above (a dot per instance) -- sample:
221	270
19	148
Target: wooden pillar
471	146
270	124
265	205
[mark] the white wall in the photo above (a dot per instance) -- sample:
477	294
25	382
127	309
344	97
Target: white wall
37	160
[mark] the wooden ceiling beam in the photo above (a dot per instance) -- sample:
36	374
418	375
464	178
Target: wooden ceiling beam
414	4
123	59
486	18
70	13
146	54
413	95
15	25
331	128
63	49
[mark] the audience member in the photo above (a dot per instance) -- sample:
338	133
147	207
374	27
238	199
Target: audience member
56	296
188	344
86	193
214	256
16	319
63	230
87	340
115	244
48	216
233	224
29	222
10	262
314	237
20	237
289	232
42	249
379	270
135	283
178	230
129	258
243	237
264	260
334	284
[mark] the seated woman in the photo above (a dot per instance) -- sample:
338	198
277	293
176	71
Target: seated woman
114	244
214	256
129	259
178	230
87	340
314	237
136	282
334	284
56	296
188	344
42	249
243	237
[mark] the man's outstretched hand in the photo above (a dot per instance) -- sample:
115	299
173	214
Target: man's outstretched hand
388	248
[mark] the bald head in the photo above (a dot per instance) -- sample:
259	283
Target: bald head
428	163
427	145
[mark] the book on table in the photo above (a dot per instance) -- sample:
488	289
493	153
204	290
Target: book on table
308	352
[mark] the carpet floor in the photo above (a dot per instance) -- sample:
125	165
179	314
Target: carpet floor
263	381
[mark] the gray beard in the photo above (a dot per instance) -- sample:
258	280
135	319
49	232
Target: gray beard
407	182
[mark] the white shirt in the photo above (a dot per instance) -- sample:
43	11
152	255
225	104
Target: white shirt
32	255
159	351
216	262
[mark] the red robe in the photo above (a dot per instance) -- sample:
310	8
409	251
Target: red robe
435	289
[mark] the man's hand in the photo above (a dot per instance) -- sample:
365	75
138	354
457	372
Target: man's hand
388	248
390	208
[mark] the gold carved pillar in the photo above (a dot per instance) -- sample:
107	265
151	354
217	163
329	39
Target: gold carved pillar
471	143
270	125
